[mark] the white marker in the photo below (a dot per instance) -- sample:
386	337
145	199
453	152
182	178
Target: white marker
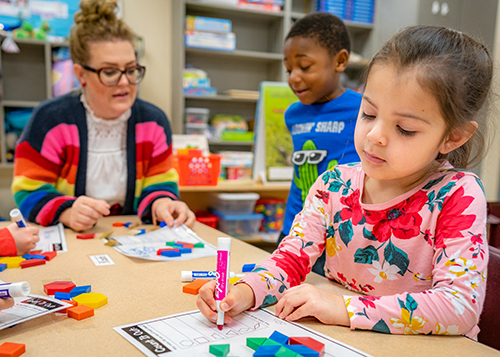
17	217
188	275
12	290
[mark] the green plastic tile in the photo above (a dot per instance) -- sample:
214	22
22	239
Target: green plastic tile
269	342
219	350
255	342
285	352
170	244
199	245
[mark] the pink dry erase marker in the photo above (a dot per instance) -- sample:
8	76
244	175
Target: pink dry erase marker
223	261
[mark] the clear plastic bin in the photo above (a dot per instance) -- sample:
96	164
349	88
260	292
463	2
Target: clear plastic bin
196	115
235	203
239	225
196	129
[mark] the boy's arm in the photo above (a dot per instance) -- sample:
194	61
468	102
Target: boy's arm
454	303
8	246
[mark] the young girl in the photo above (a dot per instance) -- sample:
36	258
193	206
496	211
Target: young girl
407	225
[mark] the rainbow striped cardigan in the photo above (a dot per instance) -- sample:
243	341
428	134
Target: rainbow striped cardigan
51	160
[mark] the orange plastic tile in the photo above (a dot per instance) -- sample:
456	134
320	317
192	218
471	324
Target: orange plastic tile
36	252
65	311
11	349
49	255
194	287
32	263
80	312
118	224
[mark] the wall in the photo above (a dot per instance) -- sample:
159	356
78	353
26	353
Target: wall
152	20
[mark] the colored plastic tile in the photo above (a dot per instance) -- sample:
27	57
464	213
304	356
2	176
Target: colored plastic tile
49	255
279	337
185	250
32	263
194	286
62	286
65	311
219	350
285	352
12	262
270	342
177	245
199	245
28	256
233	280
3	267
36	252
255	342
62	296
127	224
303	350
93	300
80	312
141	231
247	268
171	253
162	224
170	244
118	224
80	290
106	234
266	351
158	252
309	342
110	242
11	349
86	236
133	225
186	245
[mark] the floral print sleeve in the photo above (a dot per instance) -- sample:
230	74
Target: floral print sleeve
420	258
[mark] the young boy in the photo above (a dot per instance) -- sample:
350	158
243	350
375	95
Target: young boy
322	123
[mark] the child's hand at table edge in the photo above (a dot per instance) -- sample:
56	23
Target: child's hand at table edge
239	298
167	210
307	300
6	303
84	213
25	238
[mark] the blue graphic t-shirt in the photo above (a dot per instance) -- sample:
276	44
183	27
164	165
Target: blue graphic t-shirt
323	136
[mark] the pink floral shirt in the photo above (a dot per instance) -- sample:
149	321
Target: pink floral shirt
420	258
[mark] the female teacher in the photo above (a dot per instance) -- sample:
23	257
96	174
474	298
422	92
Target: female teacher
99	150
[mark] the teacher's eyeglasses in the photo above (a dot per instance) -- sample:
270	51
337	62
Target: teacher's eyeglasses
111	76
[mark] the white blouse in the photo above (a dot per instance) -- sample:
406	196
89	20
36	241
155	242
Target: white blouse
107	156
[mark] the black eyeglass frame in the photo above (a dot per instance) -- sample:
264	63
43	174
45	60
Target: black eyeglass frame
124	72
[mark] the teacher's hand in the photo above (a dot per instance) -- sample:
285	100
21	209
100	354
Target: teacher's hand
166	210
84	213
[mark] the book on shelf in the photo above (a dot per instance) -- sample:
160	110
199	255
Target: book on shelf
273	142
242	94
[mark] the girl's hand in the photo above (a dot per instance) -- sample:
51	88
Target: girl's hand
166	210
307	300
239	298
25	238
6	303
84	213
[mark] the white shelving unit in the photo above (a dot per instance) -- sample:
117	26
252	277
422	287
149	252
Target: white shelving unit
258	57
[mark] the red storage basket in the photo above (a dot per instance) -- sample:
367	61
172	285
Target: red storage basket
197	170
207	218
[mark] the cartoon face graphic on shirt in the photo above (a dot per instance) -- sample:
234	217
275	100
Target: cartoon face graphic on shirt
307	161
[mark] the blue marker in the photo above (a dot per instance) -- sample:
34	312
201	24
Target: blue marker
17	217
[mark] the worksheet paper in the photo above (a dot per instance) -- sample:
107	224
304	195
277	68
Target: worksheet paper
52	238
28	308
191	334
145	246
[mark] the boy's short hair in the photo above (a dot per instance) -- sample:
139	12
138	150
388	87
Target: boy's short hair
328	30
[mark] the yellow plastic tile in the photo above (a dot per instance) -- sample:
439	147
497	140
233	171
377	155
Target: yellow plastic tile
93	300
233	280
12	262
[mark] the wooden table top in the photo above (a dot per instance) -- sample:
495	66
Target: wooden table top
140	290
